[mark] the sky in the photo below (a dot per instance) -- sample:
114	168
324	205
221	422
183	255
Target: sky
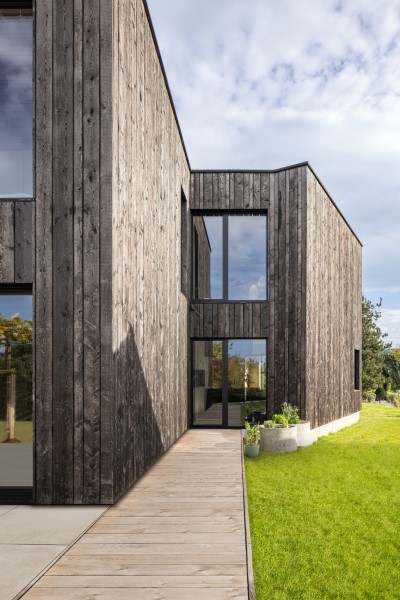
266	84
15	106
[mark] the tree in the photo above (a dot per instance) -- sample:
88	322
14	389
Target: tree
374	346
14	334
391	370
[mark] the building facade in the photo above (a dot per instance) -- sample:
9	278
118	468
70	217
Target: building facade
152	297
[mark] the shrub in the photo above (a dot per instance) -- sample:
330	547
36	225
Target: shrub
380	393
369	396
252	435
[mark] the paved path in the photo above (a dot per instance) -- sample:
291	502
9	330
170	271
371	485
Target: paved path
179	534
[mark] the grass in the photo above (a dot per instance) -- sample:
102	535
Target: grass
23	431
325	520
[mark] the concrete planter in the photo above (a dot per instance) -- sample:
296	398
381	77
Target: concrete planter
305	436
278	439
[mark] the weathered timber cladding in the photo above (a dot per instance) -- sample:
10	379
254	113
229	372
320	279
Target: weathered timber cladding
16	241
221	320
313	315
333	309
283	194
149	310
73	175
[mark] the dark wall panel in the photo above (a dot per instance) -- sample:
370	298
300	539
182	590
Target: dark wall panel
229	320
16	241
73	187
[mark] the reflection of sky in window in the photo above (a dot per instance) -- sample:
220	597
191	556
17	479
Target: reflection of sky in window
18	304
247	257
16	106
214	232
248	348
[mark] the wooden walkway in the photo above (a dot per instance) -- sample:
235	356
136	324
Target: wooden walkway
178	534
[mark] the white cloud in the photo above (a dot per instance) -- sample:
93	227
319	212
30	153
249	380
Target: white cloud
390	324
269	84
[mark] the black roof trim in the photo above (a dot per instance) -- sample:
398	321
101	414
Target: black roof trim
295	166
146	8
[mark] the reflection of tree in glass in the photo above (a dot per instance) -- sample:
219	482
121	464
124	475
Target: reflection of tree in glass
15	358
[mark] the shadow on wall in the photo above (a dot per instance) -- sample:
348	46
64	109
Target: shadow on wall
138	438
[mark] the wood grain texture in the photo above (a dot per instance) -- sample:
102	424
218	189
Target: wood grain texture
333	309
24	242
228	320
312	316
7	242
154	555
149	311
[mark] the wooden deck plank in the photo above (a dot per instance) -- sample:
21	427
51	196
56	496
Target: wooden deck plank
178	533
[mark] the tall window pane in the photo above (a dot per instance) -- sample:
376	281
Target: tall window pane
207	257
247	258
16	103
16	390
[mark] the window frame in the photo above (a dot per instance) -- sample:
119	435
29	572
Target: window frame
225	252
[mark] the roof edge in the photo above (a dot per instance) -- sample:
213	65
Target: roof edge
279	170
153	35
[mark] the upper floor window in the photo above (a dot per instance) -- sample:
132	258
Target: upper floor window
230	257
16	179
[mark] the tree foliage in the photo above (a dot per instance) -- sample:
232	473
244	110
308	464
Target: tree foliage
374	346
391	370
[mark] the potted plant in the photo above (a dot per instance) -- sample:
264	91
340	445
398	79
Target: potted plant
252	440
304	434
280	433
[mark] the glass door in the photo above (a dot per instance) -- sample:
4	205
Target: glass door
229	379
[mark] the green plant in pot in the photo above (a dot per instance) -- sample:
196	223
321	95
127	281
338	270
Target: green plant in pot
252	440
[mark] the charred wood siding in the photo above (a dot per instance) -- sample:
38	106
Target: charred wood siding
111	322
16	241
333	309
150	170
73	429
313	315
282	194
228	320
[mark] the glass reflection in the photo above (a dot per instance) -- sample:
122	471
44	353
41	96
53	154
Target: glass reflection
247	258
16	428
207	257
207	383
247	383
16	179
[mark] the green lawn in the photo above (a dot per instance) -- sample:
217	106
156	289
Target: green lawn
325	520
23	431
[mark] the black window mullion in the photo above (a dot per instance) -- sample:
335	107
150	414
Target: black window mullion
225	233
224	383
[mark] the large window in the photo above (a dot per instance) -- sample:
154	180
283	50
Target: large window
16	180
16	429
229	378
230	257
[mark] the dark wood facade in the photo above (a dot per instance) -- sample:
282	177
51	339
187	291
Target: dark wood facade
16	241
101	244
110	322
311	341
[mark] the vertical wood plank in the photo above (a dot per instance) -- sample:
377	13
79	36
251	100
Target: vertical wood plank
24	236
43	339
7	242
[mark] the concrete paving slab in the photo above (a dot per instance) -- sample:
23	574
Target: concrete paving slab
5	508
47	524
20	565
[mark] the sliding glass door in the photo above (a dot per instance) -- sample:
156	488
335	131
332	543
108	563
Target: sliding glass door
229	378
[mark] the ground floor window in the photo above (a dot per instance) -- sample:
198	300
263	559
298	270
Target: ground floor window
16	426
229	379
